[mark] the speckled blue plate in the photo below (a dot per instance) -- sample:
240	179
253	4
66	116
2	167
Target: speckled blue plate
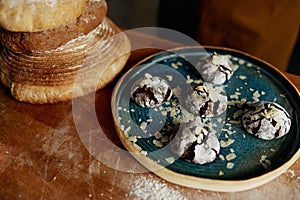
244	161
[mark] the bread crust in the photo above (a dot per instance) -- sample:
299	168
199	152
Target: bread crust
36	94
50	77
37	15
31	42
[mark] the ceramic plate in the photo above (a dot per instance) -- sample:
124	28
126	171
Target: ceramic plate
244	161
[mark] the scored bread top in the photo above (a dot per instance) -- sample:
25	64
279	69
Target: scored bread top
38	15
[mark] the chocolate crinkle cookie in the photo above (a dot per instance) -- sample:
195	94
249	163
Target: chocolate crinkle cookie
266	120
196	142
207	100
151	91
216	69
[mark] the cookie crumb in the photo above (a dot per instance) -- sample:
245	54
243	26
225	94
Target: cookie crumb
132	139
158	135
237	114
164	113
256	96
137	147
241	62
169	77
164	139
230	165
242	77
189	80
230	156
221	157
143	126
283	95
174	65
226	143
265	162
157	143
170	160
127	130
235	67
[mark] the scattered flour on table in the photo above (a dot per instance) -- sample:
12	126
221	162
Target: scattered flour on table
293	174
148	188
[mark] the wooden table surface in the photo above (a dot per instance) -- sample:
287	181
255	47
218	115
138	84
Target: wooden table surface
42	155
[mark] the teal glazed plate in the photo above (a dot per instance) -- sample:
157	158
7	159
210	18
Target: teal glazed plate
244	161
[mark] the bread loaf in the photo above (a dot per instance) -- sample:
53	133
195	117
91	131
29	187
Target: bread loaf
49	76
28	42
51	54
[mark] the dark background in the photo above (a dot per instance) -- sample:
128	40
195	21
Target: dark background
177	15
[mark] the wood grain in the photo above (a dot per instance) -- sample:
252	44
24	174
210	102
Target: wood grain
42	155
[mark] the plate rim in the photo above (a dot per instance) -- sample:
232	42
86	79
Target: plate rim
190	180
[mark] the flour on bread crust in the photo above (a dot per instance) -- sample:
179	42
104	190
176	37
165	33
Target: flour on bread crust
38	15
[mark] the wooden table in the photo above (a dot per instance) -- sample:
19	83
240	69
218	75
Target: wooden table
43	157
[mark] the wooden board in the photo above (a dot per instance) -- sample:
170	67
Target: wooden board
43	157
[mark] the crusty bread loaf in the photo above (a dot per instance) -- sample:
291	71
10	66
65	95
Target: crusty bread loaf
49	76
28	42
37	15
53	55
37	94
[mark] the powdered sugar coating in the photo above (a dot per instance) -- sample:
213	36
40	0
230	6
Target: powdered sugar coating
207	100
196	142
215	69
266	120
150	91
